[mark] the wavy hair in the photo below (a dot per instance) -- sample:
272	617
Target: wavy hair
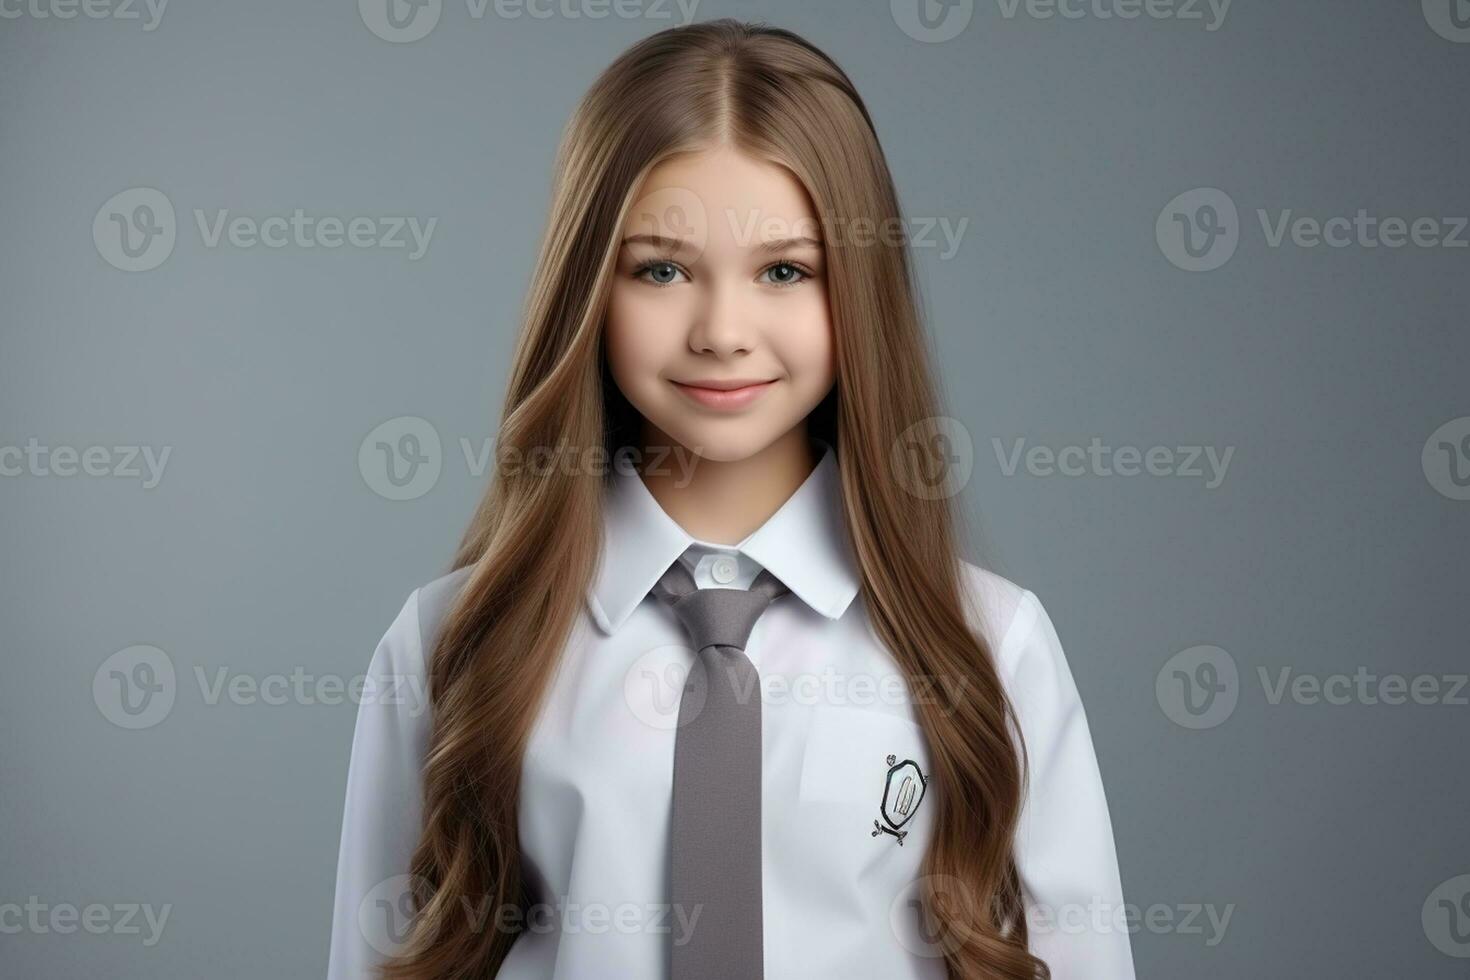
534	541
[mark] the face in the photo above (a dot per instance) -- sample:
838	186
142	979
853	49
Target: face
718	330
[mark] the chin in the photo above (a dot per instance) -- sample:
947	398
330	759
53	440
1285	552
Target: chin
723	446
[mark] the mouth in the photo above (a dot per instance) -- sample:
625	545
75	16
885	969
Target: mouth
724	394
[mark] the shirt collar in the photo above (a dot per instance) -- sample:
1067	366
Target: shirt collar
804	544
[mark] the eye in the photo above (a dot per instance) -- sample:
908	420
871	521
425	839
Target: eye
657	272
786	274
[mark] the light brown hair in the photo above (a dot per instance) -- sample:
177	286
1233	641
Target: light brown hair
534	542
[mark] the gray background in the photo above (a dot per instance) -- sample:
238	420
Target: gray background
265	549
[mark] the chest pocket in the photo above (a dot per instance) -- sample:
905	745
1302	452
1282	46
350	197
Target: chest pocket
871	766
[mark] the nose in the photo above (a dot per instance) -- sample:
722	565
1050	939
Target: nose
723	324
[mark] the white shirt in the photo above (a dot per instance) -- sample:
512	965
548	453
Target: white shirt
838	891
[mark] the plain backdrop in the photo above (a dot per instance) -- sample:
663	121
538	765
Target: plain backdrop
1332	834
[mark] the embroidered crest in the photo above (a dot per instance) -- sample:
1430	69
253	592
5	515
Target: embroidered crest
903	791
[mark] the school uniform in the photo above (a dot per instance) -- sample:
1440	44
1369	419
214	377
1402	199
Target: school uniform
845	769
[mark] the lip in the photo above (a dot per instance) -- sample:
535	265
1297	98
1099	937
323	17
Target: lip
726	395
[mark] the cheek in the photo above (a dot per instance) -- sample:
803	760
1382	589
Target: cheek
633	336
807	344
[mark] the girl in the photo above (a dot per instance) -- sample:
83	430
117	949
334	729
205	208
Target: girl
722	385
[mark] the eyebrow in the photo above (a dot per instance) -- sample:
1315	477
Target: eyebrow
675	244
657	241
782	244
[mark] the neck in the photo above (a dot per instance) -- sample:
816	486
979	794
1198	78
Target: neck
724	501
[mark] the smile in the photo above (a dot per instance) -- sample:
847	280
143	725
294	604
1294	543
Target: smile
724	395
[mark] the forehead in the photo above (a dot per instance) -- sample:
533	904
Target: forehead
722	191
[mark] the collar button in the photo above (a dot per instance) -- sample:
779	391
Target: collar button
723	570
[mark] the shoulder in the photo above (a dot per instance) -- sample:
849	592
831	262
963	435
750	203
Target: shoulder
1013	621
434	600
411	635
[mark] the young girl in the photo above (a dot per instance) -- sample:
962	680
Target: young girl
709	692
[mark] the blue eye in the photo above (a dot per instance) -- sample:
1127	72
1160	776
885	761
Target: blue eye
786	274
662	272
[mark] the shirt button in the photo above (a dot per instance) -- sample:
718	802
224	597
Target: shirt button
723	570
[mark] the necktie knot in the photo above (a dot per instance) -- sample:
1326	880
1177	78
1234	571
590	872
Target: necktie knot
715	803
716	617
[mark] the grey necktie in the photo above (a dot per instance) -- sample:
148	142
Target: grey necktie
715	822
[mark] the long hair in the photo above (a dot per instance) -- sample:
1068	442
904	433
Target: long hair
534	542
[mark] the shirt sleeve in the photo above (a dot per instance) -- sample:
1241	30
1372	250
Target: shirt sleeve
381	817
1064	848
